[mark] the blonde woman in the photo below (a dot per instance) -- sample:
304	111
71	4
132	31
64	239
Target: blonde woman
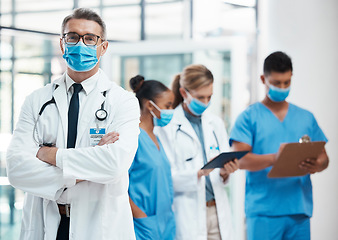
194	137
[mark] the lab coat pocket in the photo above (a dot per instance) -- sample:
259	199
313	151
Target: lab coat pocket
146	228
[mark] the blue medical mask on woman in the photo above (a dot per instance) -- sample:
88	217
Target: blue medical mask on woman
166	116
278	94
80	57
195	106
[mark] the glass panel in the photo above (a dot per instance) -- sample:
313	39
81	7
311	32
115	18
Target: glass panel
5	84
161	1
23	86
45	5
120	2
123	23
45	21
248	3
164	21
6	54
215	18
89	3
10	210
130	68
5	102
157	67
226	90
244	19
6	20
154	67
6	6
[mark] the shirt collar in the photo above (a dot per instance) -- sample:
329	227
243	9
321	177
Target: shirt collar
191	118
88	84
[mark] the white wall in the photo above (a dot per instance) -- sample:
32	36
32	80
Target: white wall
307	30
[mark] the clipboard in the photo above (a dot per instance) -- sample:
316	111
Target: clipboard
223	158
290	155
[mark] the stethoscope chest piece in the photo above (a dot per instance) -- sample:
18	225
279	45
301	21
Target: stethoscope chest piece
101	114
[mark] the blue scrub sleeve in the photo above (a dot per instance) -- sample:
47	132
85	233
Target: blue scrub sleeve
242	130
317	133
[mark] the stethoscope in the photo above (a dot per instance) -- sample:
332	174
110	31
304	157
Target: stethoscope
194	142
100	114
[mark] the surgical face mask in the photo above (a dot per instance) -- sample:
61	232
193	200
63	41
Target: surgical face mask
166	116
278	94
195	106
80	57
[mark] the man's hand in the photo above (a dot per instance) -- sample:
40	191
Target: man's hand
229	168
110	137
312	165
47	154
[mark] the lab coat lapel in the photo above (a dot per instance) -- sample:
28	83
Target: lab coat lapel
183	123
60	96
208	132
93	102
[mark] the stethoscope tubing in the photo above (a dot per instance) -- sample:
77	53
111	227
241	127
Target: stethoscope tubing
52	101
193	140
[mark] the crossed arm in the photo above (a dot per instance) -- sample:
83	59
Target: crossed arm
48	154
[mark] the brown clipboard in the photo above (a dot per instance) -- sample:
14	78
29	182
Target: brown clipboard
290	155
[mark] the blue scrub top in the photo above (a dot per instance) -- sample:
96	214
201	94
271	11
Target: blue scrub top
258	127
151	189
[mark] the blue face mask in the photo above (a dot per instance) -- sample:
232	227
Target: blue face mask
166	116
79	57
195	106
278	94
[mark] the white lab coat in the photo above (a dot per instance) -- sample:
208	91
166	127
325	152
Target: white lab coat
100	205
185	154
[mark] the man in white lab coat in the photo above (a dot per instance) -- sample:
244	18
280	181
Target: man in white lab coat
74	188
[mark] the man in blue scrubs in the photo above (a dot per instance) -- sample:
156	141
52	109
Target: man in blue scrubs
276	208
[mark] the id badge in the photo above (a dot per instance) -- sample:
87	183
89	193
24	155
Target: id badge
96	135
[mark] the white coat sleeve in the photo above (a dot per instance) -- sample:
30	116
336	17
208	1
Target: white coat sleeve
108	163
25	171
184	180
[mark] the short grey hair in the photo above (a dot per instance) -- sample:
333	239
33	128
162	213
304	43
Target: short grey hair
88	14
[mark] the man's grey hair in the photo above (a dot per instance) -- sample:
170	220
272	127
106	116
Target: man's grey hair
85	13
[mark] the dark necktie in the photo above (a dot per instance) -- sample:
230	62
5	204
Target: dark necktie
73	114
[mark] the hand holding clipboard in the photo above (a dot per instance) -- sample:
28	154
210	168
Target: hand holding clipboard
291	156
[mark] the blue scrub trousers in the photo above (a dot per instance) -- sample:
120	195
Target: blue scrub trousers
290	227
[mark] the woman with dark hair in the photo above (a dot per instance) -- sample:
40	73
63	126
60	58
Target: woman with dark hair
150	188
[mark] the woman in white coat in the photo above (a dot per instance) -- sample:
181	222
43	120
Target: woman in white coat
193	138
